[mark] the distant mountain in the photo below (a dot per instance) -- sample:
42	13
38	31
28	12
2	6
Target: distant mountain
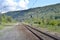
50	11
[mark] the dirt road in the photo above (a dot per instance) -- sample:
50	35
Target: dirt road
18	32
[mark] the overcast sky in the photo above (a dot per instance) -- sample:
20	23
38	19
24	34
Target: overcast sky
12	5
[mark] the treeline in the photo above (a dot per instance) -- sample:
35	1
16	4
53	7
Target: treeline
5	19
44	21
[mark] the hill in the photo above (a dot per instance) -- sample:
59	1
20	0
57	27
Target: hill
41	12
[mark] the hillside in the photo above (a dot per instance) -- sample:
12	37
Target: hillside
40	12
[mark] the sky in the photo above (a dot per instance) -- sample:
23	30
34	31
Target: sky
13	5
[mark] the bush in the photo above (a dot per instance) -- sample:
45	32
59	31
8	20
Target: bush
37	22
54	22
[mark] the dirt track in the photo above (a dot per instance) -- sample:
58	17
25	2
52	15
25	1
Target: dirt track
18	32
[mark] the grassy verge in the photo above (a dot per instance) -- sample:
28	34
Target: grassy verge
7	23
48	27
1	27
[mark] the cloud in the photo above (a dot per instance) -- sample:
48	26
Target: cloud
12	5
23	4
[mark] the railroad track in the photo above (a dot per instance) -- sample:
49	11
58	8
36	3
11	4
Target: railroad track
41	35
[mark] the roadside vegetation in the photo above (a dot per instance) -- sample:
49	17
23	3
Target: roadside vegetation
50	24
5	20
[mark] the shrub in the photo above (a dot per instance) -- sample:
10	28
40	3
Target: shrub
54	22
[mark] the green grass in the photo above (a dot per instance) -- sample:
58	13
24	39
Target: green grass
54	28
1	27
51	28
